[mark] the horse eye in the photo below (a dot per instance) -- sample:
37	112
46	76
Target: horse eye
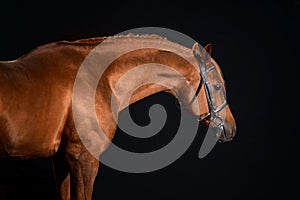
217	87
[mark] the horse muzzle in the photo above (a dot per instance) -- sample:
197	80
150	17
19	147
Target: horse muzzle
228	133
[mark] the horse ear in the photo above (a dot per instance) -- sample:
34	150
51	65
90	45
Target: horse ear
208	48
196	49
202	52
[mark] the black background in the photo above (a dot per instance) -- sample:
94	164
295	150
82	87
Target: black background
256	45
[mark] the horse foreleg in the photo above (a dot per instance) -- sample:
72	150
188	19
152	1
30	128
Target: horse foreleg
62	176
83	171
83	163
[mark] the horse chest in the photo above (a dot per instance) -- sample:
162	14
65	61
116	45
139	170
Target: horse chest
16	141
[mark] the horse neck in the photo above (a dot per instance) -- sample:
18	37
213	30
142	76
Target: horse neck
136	90
138	75
141	78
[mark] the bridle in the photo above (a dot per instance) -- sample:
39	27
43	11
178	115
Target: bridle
214	110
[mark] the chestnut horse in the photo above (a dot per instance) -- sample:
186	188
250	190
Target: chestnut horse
36	117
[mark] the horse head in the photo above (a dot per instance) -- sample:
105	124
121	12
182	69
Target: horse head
209	102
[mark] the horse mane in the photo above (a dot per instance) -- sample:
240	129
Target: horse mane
125	39
82	42
149	38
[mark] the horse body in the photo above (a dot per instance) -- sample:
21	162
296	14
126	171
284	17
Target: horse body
36	118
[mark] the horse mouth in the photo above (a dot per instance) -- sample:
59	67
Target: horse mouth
223	138
227	135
